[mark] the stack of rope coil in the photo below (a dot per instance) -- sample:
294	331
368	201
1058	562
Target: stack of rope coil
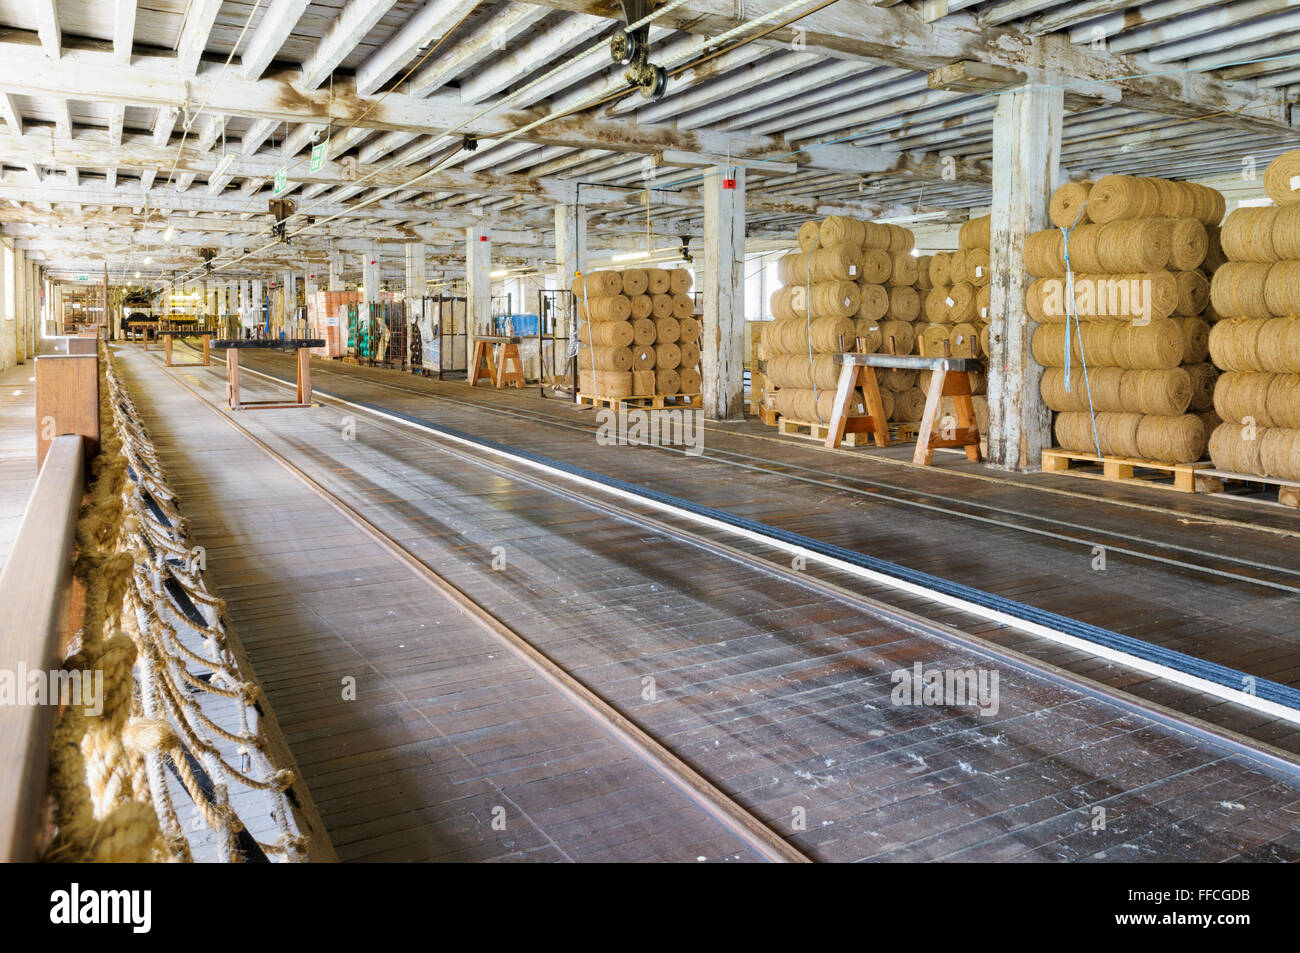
631	333
1257	396
1135	305
851	285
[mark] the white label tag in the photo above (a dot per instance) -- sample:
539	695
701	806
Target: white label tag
950	302
984	312
1295	183
331	322
853	269
979	271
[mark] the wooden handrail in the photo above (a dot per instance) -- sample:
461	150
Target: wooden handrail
34	628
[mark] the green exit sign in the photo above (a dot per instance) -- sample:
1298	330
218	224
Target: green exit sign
83	277
281	180
318	156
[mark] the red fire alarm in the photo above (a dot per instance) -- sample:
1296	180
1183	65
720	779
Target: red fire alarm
728	183
482	238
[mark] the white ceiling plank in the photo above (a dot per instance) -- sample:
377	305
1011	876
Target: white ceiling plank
124	30
546	48
277	23
349	28
193	40
431	22
13	116
47	25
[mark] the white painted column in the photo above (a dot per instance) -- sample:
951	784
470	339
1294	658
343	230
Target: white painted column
478	280
570	255
335	273
722	343
256	302
289	287
1026	164
370	273
416	273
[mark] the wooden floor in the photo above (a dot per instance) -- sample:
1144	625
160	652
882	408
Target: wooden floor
1181	571
775	693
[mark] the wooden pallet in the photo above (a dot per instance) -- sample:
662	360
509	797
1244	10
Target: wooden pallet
768	415
649	402
817	431
1250	487
1170	476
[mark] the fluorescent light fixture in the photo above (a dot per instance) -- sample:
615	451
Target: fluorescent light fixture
167	235
224	165
499	274
137	274
631	256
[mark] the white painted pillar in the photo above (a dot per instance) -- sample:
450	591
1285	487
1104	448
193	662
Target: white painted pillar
255	307
722	343
1026	164
478	279
289	288
370	273
335	272
416	273
570	256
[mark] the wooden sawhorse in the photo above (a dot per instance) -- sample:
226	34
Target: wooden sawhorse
302	345
949	377
484	365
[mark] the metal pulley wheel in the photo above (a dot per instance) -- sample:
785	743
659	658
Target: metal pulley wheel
623	47
651	80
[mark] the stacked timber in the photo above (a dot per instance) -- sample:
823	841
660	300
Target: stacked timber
1257	343
1120	281
851	286
638	333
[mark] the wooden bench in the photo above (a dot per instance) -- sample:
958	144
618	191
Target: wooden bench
949	377
301	345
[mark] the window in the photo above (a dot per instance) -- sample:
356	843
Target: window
11	297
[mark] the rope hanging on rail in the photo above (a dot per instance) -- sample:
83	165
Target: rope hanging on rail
159	636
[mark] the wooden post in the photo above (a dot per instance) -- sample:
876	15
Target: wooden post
571	258
1026	157
478	276
67	400
232	377
722	343
304	375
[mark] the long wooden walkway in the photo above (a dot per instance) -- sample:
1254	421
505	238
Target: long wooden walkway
776	694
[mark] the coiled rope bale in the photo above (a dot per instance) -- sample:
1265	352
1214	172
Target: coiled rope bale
873	303
963	340
1154	346
961	302
898	378
1164	393
1196	340
597	284
1286	232
667	356
832	263
609	358
933	338
1044	254
1116	197
903	269
680	281
1231	450
688	330
1243	395
983	302
984	339
1282	178
690	354
1176	439
904	303
1282	287
840	228
1247	235
643	358
900	239
657	281
667	330
1068	205
683	306
868	334
1246	344
1189	242
661	306
938	303
809	235
1238	289
644	332
805	405
978	272
635	281
837	299
902	334
975	233
1202	378
1191	292
875	266
923	281
1283	400
940	269
1279	453
1134	245
640	307
611	308
667	381
957	266
607	334
688	380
